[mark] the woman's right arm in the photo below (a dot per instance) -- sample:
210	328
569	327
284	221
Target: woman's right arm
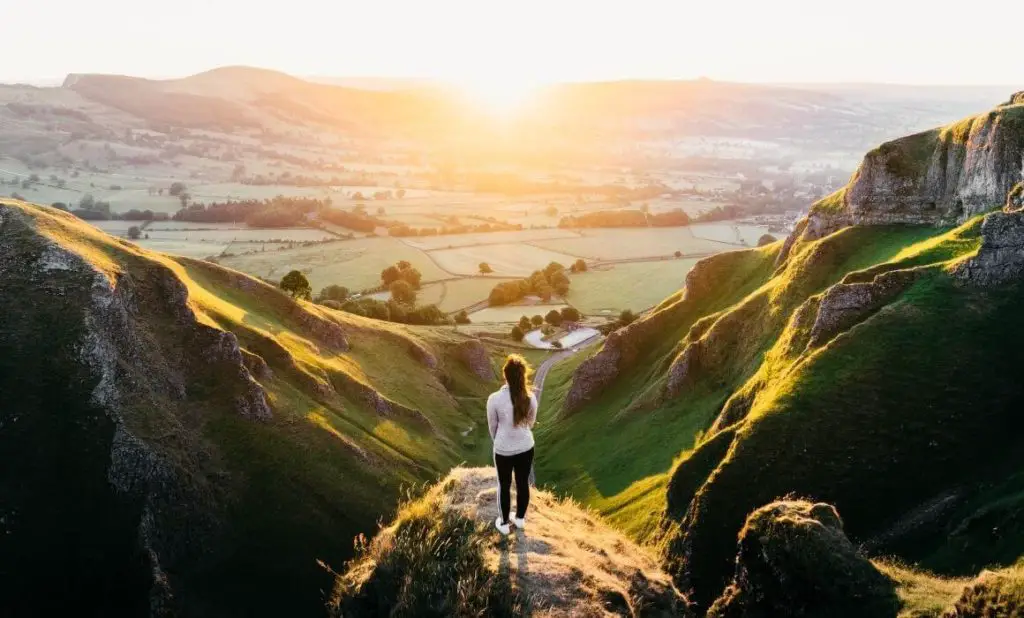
531	418
492	417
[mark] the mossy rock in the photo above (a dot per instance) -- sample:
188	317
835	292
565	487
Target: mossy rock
795	560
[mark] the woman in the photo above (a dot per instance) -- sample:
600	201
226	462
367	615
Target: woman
511	413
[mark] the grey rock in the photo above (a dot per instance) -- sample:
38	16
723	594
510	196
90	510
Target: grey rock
1000	258
474	356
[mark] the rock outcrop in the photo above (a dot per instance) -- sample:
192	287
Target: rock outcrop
1000	258
793	559
846	304
938	177
474	356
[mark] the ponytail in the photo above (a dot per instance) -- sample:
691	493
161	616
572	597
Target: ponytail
516	371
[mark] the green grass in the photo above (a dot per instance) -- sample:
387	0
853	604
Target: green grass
636	286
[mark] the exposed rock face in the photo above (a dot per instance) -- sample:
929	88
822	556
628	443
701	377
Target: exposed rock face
128	366
846	304
322	329
793	559
1001	256
474	356
623	346
939	177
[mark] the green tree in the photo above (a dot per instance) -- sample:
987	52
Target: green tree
389	275
517	333
570	314
485	268
537	320
626	317
402	292
337	293
579	266
87	201
766	239
524	323
678	254
461	317
296	284
553	318
176	189
134	232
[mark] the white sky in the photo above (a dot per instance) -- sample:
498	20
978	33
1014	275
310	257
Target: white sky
524	41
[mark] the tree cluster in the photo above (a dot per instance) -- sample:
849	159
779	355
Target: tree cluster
626	218
280	211
543	283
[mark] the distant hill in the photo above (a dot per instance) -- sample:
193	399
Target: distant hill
182	439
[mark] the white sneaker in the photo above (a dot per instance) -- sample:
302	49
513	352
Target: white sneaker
520	523
502	528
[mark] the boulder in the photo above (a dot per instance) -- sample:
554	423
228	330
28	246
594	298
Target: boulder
793	559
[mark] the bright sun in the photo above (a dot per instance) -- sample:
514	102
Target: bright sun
498	95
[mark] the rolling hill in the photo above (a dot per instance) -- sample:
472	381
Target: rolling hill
182	439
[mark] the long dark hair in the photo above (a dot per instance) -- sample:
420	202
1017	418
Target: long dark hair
516	371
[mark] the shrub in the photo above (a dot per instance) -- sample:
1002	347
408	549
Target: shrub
485	268
626	317
570	314
524	323
134	232
517	333
536	321
553	318
766	239
462	318
678	254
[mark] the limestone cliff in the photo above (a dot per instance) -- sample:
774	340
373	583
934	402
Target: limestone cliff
938	177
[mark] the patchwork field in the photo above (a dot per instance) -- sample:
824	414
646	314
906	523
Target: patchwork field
511	313
187	248
355	264
514	260
430	243
634	285
632	243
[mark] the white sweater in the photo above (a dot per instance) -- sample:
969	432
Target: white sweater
508	438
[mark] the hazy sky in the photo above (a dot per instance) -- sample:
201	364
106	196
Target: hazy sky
904	41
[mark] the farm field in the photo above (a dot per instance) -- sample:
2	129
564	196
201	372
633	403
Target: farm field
510	314
355	264
461	293
633	285
515	260
730	232
430	243
193	225
187	248
116	228
227	236
632	243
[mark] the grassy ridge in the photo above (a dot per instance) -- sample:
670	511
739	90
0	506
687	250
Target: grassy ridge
281	494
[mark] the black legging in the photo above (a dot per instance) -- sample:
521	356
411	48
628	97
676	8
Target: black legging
507	465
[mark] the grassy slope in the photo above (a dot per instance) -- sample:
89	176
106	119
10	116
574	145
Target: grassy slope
614	454
325	467
915	409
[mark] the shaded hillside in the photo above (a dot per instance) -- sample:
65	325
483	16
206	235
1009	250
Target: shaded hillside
872	365
181	438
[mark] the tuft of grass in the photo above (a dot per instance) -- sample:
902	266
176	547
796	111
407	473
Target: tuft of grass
431	563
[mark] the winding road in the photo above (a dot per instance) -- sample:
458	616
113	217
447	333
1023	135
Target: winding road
549	362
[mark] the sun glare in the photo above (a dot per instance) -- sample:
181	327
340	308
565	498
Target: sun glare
500	96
